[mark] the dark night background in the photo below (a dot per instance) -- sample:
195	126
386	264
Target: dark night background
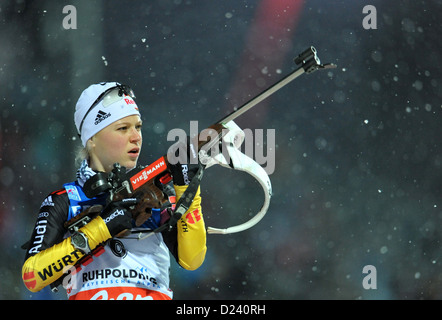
358	152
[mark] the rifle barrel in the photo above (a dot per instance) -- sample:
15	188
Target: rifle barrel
263	95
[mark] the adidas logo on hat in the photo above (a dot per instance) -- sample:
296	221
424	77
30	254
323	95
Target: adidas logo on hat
101	115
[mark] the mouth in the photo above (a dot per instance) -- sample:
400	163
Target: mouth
134	152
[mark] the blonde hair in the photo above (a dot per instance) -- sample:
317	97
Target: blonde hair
82	153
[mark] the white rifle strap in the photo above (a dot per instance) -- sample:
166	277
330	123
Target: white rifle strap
233	140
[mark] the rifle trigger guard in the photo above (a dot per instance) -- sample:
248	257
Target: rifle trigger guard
234	138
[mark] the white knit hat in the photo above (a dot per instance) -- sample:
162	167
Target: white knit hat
115	101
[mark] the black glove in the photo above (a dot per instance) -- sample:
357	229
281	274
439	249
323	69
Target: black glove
185	157
117	216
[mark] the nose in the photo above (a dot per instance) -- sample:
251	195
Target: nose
135	135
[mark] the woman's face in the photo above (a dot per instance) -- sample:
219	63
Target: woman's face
118	142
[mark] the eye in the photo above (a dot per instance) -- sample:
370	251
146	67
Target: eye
123	128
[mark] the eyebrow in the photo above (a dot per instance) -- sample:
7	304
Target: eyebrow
117	123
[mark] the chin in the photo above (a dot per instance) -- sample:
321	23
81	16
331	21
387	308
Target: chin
130	165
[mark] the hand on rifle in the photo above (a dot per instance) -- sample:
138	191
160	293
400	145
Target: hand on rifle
117	216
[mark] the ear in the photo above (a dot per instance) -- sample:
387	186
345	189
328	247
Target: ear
90	143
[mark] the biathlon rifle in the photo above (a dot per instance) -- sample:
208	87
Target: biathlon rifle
150	187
